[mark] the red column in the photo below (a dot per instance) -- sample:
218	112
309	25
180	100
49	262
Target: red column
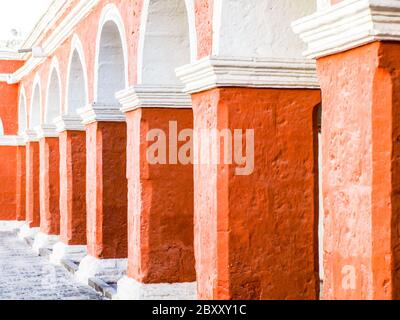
106	190
32	184
49	186
361	171
73	187
160	211
256	233
160	208
21	184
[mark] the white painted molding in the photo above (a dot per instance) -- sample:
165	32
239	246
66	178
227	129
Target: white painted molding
101	113
212	72
30	136
4	77
11	141
56	37
349	24
46	131
147	96
68	123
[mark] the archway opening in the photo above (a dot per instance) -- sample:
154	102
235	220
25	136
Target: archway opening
22	121
53	108
166	44
34	119
76	85
111	65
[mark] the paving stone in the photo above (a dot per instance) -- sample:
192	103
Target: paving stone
26	276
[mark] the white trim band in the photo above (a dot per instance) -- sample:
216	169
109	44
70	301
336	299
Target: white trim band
46	131
11	141
30	136
349	24
101	113
146	96
213	72
68	123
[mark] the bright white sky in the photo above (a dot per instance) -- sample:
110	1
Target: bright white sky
21	15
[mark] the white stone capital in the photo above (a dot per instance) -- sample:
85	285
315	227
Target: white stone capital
46	131
153	96
349	24
11	141
69	123
101	113
213	72
30	135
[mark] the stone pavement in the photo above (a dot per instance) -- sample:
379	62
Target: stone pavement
25	276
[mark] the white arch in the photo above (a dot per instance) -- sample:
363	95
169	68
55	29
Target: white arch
161	23
22	112
53	90
36	102
110	18
77	82
258	28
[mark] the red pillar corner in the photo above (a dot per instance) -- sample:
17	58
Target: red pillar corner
32	184
160	205
255	235
49	186
361	171
106	190
73	187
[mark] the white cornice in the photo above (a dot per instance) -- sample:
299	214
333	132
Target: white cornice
4	77
145	96
57	36
101	113
46	131
11	141
212	72
30	136
69	123
349	24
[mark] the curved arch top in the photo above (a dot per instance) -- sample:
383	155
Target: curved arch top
35	117
53	93
22	112
77	80
109	18
165	21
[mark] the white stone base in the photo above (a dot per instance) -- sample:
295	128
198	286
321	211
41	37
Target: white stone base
26	232
11	226
130	289
44	241
61	251
108	270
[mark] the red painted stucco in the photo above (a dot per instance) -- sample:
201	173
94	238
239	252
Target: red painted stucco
32	184
106	190
255	236
73	187
20	195
160	204
8	161
361	171
49	186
